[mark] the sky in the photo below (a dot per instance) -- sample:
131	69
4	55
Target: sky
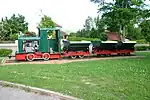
70	14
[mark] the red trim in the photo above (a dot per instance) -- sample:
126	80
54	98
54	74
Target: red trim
125	51
37	55
78	53
103	52
55	56
112	51
20	57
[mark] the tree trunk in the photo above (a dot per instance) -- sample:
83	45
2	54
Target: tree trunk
121	30
124	31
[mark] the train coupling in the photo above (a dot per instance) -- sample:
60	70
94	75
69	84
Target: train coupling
10	56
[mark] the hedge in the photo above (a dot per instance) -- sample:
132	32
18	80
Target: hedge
142	48
5	52
81	38
142	41
3	42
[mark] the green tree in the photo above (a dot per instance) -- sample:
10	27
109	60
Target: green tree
46	22
118	14
93	28
9	28
134	33
145	29
93	33
73	34
88	23
87	27
100	28
101	2
81	33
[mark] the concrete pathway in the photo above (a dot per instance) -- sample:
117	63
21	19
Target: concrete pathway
7	93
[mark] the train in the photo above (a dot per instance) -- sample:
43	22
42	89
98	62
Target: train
45	48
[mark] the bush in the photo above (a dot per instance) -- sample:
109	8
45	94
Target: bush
5	42
82	38
142	41
149	48
5	52
142	48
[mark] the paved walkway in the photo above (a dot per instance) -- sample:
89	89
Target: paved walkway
7	93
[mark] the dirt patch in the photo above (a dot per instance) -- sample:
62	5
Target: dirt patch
12	61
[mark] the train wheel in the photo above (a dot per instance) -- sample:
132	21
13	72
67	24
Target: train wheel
46	56
123	54
118	54
81	56
73	57
108	55
30	57
99	55
104	55
128	54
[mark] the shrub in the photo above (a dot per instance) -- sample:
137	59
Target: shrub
142	41
142	48
5	52
82	38
149	48
28	34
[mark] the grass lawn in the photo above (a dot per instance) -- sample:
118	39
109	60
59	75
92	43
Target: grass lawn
124	79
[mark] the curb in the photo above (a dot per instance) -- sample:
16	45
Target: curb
57	95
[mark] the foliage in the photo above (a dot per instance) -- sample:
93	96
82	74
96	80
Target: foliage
142	48
142	41
88	23
27	34
121	15
1	58
81	39
125	79
101	2
133	33
72	34
10	27
145	29
5	52
46	22
93	28
99	28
